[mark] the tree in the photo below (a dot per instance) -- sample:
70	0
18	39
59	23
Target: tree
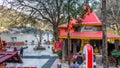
113	15
10	17
104	41
49	10
41	26
53	11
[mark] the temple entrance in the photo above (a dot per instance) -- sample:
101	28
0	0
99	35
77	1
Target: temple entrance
77	46
111	47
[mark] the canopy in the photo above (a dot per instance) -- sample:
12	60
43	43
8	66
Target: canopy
90	35
6	56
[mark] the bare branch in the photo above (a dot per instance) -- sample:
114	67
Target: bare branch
38	11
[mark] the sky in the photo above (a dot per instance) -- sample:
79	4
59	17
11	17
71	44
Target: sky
4	2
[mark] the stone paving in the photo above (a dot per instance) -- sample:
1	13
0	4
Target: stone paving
49	62
38	58
41	58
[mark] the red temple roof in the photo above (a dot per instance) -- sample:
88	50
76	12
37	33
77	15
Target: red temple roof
63	26
90	19
90	35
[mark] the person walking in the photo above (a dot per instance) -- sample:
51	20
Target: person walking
94	61
79	60
21	51
74	65
88	55
15	49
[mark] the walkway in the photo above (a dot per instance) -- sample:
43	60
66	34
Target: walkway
38	58
49	63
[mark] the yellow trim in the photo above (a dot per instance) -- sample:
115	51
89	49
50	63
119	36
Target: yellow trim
87	24
97	38
91	24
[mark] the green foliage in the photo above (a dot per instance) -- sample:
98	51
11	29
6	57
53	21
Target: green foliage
59	53
75	7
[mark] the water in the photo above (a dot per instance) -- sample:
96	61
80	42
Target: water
23	37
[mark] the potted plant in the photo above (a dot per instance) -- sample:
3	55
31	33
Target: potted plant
59	53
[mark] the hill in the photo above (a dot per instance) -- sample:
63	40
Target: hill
10	17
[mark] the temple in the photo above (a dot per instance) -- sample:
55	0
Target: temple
85	29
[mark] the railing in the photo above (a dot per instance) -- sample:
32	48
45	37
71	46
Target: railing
15	43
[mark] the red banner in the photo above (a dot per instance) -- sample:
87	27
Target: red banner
58	45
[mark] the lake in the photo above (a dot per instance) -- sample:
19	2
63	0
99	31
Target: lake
23	37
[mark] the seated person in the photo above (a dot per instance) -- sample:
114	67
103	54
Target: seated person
74	65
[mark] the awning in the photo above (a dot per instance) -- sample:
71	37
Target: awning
6	56
90	35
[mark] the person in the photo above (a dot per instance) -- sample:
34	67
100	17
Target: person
15	49
59	65
94	61
74	65
88	55
79	59
21	51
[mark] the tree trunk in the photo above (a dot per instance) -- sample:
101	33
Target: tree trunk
55	32
104	41
47	36
40	37
63	50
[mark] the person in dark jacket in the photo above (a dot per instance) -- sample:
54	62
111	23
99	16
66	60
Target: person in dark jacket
21	51
94	61
79	59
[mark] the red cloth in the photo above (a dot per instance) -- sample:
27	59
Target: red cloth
74	57
90	56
